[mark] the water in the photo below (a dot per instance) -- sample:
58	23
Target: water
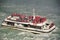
48	8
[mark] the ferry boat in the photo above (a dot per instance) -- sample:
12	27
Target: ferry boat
34	23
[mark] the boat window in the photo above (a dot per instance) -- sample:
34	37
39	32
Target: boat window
10	23
25	25
47	24
32	26
38	27
18	23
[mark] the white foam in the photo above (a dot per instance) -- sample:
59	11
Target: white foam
39	38
4	35
11	39
5	38
27	38
21	33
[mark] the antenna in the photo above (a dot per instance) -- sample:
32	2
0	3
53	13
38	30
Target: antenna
33	13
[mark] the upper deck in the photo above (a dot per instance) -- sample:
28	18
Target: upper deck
24	18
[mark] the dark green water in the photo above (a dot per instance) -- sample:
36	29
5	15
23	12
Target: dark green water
48	8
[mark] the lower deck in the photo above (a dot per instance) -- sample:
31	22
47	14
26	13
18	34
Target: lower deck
28	27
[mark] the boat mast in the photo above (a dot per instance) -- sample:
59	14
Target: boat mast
33	13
